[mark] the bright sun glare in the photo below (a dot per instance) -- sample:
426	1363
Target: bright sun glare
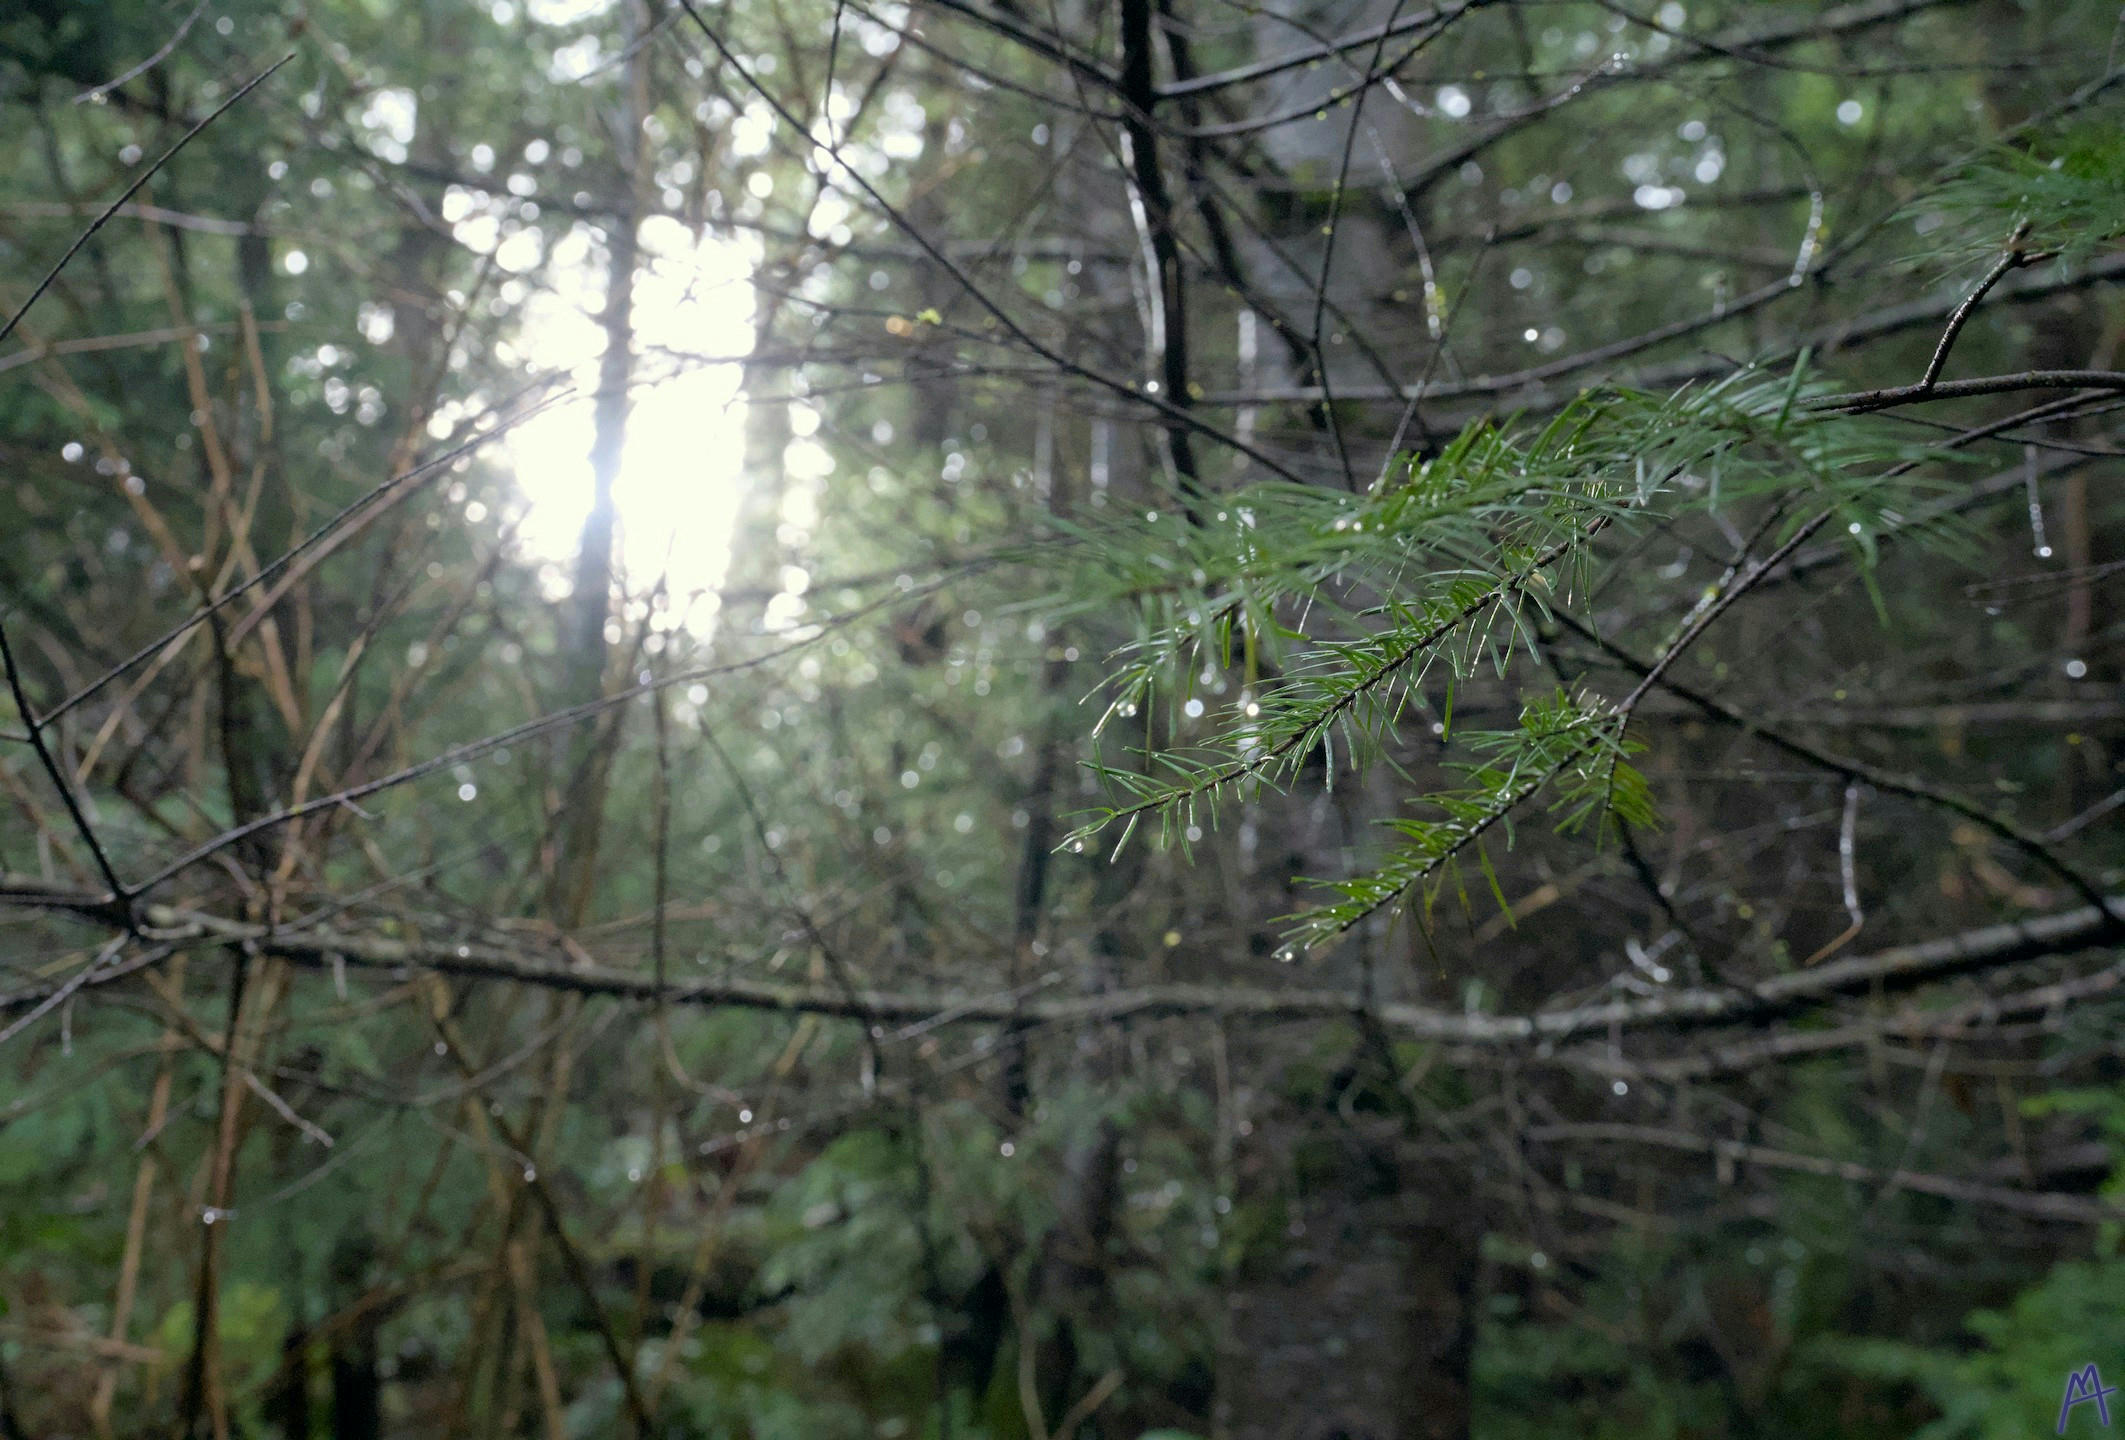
677	494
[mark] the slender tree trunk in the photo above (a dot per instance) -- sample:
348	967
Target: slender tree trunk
581	821
357	1402
1361	1325
1358	1321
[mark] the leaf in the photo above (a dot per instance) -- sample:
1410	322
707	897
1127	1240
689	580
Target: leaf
1497	891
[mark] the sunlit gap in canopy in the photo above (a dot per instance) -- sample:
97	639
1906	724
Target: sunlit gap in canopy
677	493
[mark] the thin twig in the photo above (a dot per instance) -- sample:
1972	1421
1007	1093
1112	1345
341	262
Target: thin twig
133	189
90	97
57	774
2013	259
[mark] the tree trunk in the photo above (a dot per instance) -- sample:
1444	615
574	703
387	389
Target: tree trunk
1360	1326
582	817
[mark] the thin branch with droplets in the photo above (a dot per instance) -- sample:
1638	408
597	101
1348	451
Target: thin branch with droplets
133	189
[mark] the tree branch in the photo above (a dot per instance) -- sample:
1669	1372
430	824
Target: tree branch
1986	948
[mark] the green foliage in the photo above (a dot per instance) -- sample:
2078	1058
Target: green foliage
1462	558
845	1236
2010	1381
2067	184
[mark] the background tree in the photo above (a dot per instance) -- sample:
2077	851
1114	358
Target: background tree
1411	727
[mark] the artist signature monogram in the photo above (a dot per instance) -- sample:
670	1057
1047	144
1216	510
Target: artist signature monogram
2085	1387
